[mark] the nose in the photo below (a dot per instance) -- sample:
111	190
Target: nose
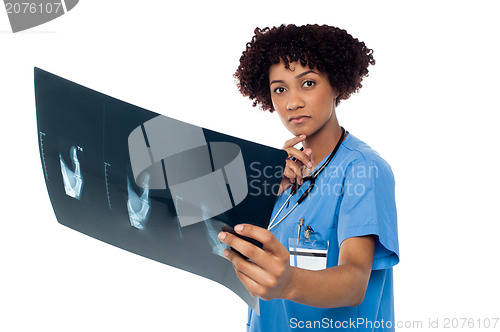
295	101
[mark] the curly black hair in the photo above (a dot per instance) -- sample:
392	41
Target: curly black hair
343	58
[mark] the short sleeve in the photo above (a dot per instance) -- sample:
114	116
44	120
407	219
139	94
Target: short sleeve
368	208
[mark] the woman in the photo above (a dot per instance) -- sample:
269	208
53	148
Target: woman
327	261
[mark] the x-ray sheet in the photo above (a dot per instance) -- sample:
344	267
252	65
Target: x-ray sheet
150	184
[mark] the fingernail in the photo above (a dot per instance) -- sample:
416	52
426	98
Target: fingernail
309	164
226	252
222	236
238	228
302	136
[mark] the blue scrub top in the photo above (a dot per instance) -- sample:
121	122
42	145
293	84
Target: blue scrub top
353	196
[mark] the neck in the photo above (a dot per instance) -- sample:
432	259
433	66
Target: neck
323	141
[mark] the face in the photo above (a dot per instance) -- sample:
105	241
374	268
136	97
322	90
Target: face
302	97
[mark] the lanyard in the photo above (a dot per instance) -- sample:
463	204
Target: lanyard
312	177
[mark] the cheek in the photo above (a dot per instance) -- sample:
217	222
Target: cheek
323	103
283	118
278	108
276	104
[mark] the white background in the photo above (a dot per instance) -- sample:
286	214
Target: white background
429	107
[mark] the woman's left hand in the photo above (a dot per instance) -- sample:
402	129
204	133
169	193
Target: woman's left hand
267	274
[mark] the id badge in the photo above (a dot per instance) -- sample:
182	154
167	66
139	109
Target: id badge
308	254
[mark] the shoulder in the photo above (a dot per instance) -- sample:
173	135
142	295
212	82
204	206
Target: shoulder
359	158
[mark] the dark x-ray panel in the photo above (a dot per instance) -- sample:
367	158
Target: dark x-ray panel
150	184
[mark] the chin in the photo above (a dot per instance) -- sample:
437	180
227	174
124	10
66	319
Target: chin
296	132
300	131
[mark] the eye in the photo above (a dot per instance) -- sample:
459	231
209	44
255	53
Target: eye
308	83
279	90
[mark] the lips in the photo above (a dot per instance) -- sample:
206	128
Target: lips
299	118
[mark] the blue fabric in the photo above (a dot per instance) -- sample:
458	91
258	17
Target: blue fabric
353	196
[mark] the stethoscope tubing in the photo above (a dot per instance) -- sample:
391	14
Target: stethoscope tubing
312	178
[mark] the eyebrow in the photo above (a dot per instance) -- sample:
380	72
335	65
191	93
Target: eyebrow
296	77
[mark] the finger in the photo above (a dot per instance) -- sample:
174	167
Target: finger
284	185
248	269
293	172
264	236
251	285
300	156
244	247
293	141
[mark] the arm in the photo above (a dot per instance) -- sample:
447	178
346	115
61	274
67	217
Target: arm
269	275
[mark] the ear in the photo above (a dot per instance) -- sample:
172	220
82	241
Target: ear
335	93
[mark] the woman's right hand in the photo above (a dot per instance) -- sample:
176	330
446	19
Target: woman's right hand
293	168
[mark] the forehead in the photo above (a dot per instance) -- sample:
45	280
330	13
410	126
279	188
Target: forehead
278	70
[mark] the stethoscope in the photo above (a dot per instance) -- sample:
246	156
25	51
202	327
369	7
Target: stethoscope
311	177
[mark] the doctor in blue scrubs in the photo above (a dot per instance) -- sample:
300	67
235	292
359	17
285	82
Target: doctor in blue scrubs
328	253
